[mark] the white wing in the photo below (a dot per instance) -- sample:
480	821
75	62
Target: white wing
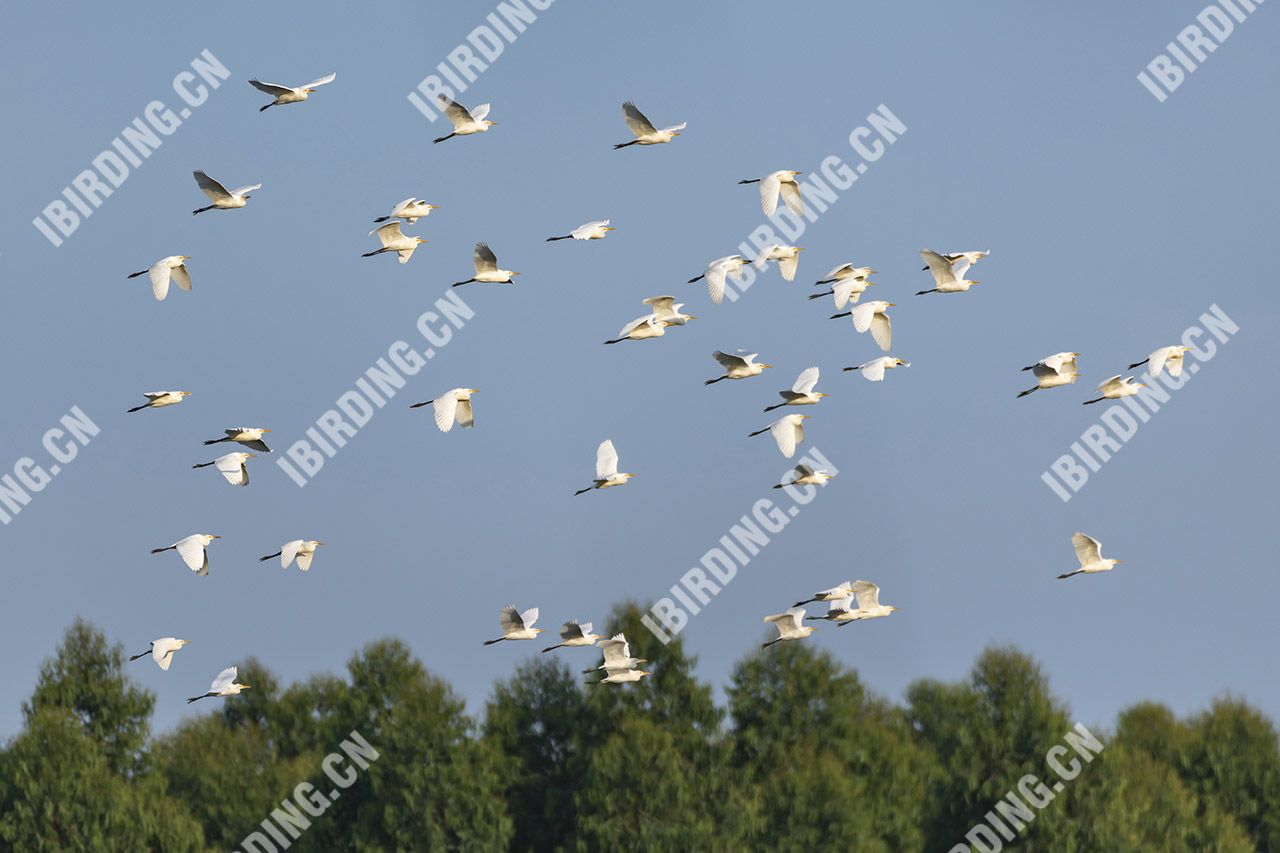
572	631
401	205
606	460
882	330
663	306
681	126
388	233
1058	361
304	560
528	617
868	594
787	434
715	282
794	616
484	258
404	255
1154	365
806	381
328	78
792	196
770	186
214	190
510	619
274	89
862	316
181	277
582	232
193	554
446	408
162	651
465	415
732	361
224	678
873	370
840	605
1110	384
636	120
764	254
159	281
788	265
635	324
233	468
843	291
939	267
835	273
1088	549
456	112
242	190
480	112
288	551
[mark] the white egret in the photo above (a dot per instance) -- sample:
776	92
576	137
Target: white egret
162	650
574	634
1115	388
160	399
801	393
486	264
588	231
194	551
969	259
873	315
607	474
644	131
873	371
224	685
517	625
394	240
948	277
453	405
836	593
222	198
844	272
1053	371
410	210
173	266
289	94
739	365
233	466
729	265
779	183
1089	553
869	606
641	329
617	656
790	626
302	550
250	437
803	475
787	432
465	122
667	310
1165	357
840	611
788	258
850	283
624	676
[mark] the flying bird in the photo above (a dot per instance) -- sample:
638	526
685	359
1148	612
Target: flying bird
730	265
250	437
1053	371
948	276
790	626
410	210
302	550
836	593
617	656
788	258
1089	553
779	183
849	284
869	606
969	259
453	405
787	431
162	270
739	365
222	198
1165	357
623	676
844	272
517	625
233	466
160	399
486	264
161	651
801	393
607	474
643	130
575	634
465	122
194	551
873	371
641	329
394	240
803	475
667	310
840	610
224	685
873	315
289	94
589	231
1115	388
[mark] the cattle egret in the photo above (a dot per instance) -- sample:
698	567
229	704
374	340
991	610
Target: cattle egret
787	431
607	474
869	606
162	270
801	393
303	550
641	329
873	371
872	315
394	240
849	284
969	259
193	550
410	210
790	626
232	466
840	611
224	685
486	264
617	656
453	405
162	650
465	122
836	593
1053	371
803	475
575	634
1165	357
1115	388
667	310
644	131
730	265
740	365
788	258
844	272
589	231
289	94
1089	553
517	625
160	399
250	437
624	676
222	198
775	183
948	277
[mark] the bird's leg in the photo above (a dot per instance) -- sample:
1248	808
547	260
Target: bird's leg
923	292
460	283
375	252
267	107
203	209
1028	391
625	144
143	655
565	237
1131	367
714	381
838	316
443	138
144	272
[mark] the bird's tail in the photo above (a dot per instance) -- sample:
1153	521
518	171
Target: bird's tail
269	556
491	642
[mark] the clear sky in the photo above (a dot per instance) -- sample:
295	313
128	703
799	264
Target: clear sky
1113	221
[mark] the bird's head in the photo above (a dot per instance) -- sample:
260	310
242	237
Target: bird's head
799	248
315	543
308	91
892	609
182	643
803	417
433	207
901	363
184	257
1075	355
211	536
626	476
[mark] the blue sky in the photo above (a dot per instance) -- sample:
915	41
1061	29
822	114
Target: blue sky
1113	220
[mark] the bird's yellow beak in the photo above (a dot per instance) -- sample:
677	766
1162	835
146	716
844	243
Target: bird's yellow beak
265	429
1119	561
804	417
797	173
893	305
610	228
766	365
872	272
690	317
215	537
420	240
245	686
820	394
319	543
473	390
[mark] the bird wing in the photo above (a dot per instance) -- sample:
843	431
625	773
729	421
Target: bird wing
572	631
154	395
1088	549
328	78
770	186
404	255
873	370
663	306
835	272
193	554
181	277
862	316
510	619
446	409
246	189
788	265
465	415
635	324
304	560
389	233
528	617
882	330
1109	384
840	605
162	651
401	205
732	361
796	617
606	460
480	112
806	381
274	89
785	434
803	471
868	594
288	551
1058	361
939	267
159	275
233	468
585	230
456	112
484	258
636	120
842	292
214	190
681	126
224	678
715	282
792	196
1154	365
